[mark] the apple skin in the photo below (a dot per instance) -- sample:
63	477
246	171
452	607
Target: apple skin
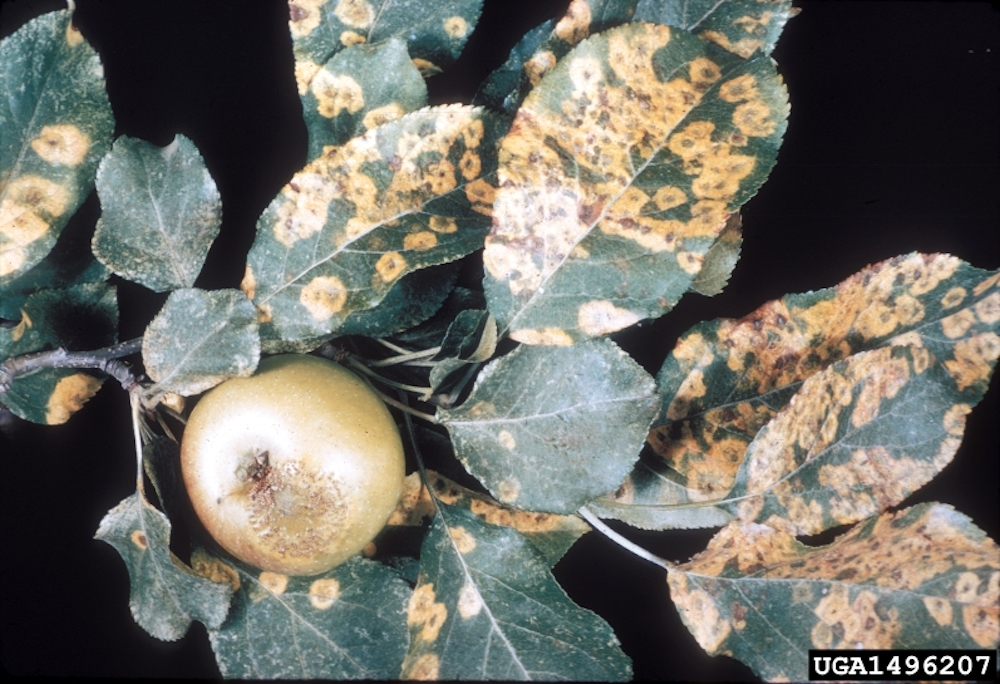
294	469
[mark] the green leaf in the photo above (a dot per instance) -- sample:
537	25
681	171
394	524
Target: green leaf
551	535
742	27
55	125
551	428
358	89
348	623
487	607
857	438
160	214
406	195
720	259
431	332
618	174
504	89
727	378
435	32
199	339
471	338
165	594
922	578
80	318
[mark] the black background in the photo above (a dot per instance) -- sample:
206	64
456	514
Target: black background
892	147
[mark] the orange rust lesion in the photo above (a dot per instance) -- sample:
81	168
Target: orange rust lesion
62	145
574	26
304	16
68	396
323	297
426	668
213	569
425	613
974	359
354	13
323	593
336	93
744	47
463	540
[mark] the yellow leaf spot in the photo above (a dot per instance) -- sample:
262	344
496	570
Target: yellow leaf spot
982	287
700	613
966	587
323	593
690	262
575	24
336	93
954	297
958	324
304	211
73	36
305	71
703	73
390	266
443	224
470	165
274	582
470	603
304	16
28	208
349	38
744	47
738	89
882	382
721	174
939	608
692	387
62	144
549	337
669	197
464	541
249	283
323	297
420	242
988	309
802	593
426	668
954	419
506	440
356	13
861	625
424	612
982	624
539	65
425	67
382	115
213	569
22	327
600	317
753	118
927	276
264	313
456	27
509	490
973	359
693	141
69	396
139	539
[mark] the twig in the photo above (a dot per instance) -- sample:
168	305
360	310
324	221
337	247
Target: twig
626	544
106	360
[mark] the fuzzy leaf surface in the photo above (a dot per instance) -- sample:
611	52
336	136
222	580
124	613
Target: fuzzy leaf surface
922	578
551	428
347	623
435	32
728	378
406	195
360	88
55	125
80	318
200	338
486	607
160	213
618	174
165	594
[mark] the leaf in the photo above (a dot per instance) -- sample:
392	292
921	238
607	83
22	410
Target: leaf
435	32
742	27
360	88
198	340
551	535
406	195
618	174
487	607
551	428
55	125
504	89
923	578
471	338
857	438
720	259
160	214
727	378
431	332
80	318
347	623
165	595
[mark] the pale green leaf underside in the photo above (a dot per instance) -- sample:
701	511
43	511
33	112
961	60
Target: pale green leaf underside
922	578
486	607
198	339
160	212
551	428
618	174
165	595
55	125
347	623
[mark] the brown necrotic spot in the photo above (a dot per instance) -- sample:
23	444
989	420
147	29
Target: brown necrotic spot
425	613
304	16
69	396
336	93
213	569
443	224
62	145
538	65
703	72
470	165
139	539
323	297
390	266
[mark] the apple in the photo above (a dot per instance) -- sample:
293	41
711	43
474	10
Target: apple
294	469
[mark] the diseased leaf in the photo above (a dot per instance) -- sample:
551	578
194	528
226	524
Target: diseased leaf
80	318
406	195
727	378
857	437
617	176
742	27
160	213
358	89
55	125
551	428
199	339
504	89
435	32
486	607
165	594
925	577
551	535
720	259
347	623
